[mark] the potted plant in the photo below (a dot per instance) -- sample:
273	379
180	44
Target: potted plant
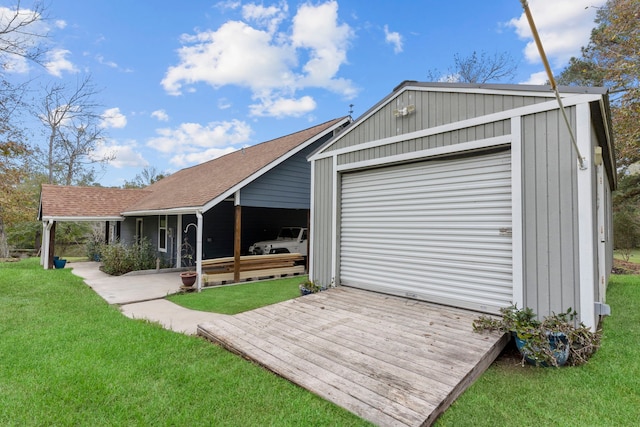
188	277
308	287
554	341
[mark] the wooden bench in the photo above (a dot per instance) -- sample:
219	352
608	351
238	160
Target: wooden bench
252	267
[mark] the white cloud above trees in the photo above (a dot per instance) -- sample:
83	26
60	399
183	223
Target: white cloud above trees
195	143
261	54
564	27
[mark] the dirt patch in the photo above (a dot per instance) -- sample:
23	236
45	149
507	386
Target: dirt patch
625	267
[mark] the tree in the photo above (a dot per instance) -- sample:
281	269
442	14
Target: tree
478	68
73	127
612	59
148	176
20	34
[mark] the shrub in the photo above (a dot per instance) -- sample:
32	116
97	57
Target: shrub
119	258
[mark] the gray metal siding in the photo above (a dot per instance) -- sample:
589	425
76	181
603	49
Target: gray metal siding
323	208
474	133
432	109
550	204
286	186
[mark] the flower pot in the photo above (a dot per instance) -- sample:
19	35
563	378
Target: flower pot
558	343
188	278
59	263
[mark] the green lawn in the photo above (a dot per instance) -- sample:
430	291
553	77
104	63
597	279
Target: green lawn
634	256
604	392
238	298
68	358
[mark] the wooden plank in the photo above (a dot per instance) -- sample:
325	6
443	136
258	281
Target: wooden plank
296	370
392	361
372	359
228	276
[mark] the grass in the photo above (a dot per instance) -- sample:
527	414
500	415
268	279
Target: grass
634	257
68	358
238	298
604	392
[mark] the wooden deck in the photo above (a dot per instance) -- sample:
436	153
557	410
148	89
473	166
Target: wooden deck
390	360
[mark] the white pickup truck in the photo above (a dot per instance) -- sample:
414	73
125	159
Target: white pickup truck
289	240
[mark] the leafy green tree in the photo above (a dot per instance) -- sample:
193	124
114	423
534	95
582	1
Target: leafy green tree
612	59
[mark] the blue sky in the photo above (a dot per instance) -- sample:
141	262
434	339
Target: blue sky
186	81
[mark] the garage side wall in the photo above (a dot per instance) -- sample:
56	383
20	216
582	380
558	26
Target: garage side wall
322	234
550	211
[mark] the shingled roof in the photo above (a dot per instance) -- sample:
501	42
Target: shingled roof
186	190
198	185
62	202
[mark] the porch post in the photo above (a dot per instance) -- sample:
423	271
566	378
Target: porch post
178	241
237	239
199	250
51	245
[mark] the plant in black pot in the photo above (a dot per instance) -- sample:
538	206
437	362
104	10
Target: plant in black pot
555	340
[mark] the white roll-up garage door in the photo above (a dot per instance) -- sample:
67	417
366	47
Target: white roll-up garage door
436	230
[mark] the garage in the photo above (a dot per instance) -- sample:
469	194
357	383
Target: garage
437	230
473	196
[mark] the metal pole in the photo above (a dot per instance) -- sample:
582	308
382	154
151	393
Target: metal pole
543	56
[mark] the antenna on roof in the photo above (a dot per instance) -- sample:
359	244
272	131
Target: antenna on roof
350	110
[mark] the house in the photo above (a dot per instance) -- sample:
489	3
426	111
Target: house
471	196
220	207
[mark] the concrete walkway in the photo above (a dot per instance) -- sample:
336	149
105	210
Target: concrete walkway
141	296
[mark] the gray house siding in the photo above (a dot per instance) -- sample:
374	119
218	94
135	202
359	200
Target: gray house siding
286	186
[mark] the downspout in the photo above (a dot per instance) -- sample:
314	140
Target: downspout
199	250
552	80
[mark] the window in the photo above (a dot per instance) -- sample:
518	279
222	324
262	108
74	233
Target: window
162	233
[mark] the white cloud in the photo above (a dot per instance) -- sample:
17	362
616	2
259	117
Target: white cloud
195	141
124	155
282	107
538	78
57	62
316	28
182	160
60	24
113	118
266	17
235	54
564	27
255	55
160	115
224	103
393	38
